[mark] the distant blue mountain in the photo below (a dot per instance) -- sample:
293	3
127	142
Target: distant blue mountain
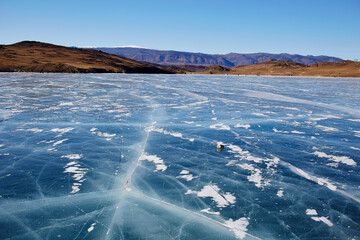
229	60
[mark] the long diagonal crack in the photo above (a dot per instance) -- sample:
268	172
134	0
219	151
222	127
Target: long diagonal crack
131	172
143	196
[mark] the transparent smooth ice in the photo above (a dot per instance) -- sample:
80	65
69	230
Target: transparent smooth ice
117	156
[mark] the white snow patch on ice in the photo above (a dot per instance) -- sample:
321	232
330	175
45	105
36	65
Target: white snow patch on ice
255	175
207	210
342	159
311	212
245	166
243	155
185	175
174	134
280	192
290	108
323	117
107	136
159	163
279	131
246	126
61	131
72	157
184	172
257	178
188	177
259	114
357	133
327	129
239	227
66	104
324	220
220	126
60	141
77	174
91	227
35	130
190	192
213	191
354	120
297	132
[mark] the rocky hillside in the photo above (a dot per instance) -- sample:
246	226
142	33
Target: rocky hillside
286	68
29	56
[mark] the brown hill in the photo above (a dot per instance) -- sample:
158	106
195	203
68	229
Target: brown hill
29	56
286	68
216	69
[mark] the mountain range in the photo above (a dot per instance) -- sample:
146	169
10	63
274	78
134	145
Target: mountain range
163	57
30	56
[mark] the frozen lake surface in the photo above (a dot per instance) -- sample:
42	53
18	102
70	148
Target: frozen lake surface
113	156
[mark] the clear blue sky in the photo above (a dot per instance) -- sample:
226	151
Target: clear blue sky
307	27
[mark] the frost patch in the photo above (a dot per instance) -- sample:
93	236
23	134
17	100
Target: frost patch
159	163
239	227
